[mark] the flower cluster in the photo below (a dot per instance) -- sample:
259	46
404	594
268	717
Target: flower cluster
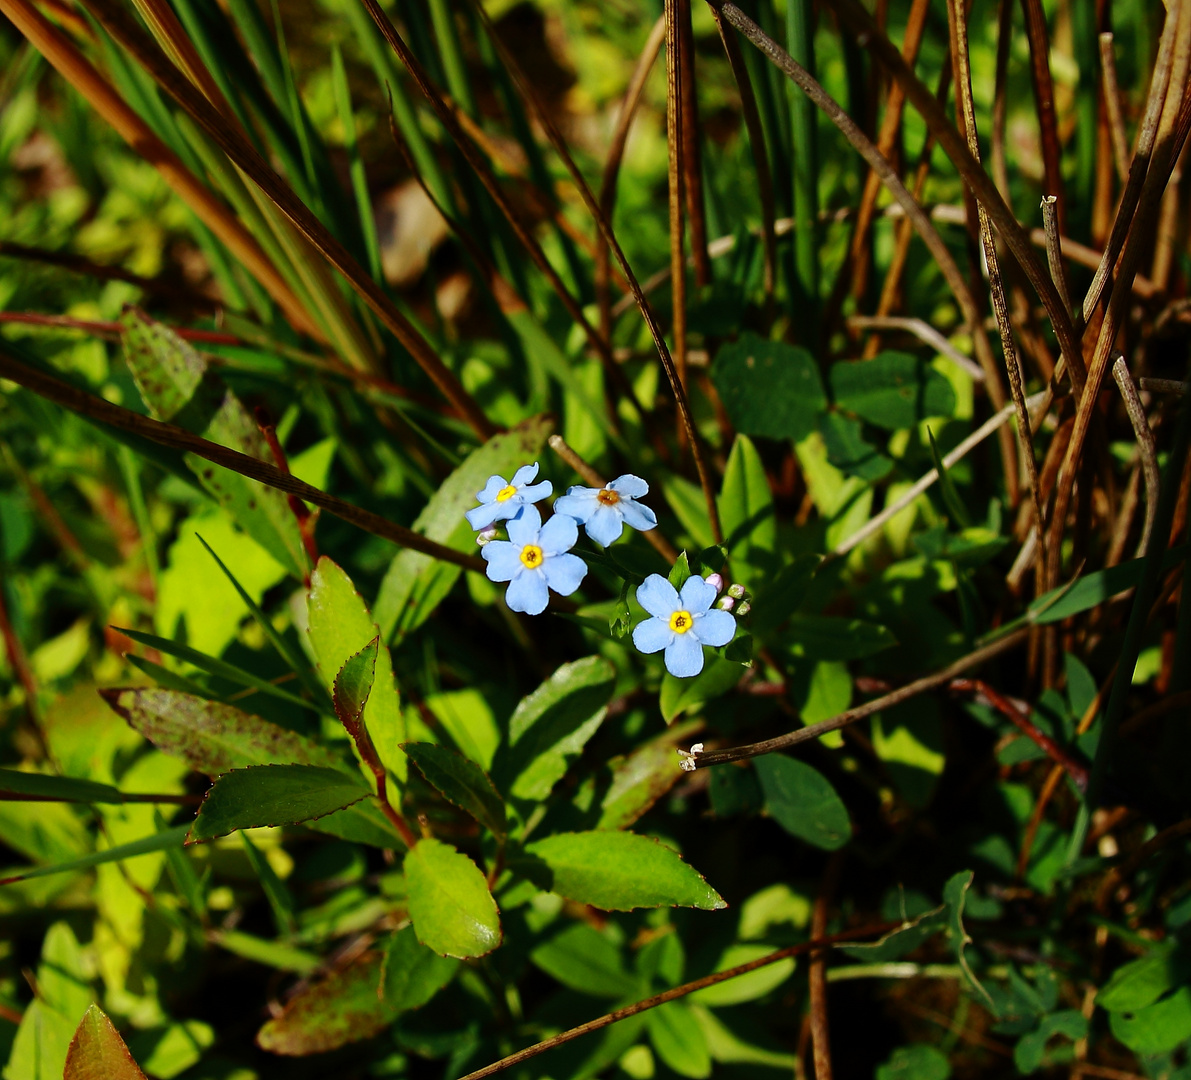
536	559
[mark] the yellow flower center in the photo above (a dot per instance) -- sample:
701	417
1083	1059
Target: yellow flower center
680	621
607	496
531	556
506	493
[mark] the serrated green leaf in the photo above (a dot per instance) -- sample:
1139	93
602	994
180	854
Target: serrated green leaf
803	802
894	390
461	781
550	727
449	901
411	973
768	388
342	1008
620	871
272	795
98	1053
415	583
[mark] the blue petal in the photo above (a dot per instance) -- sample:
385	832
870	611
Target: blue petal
558	534
494	485
525	475
579	503
503	559
528	593
657	596
652	635
523	529
697	595
632	486
480	517
714	627
684	656
637	516
536	492
564	573
605	525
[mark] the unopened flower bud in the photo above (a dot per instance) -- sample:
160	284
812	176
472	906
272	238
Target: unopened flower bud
743	610
715	581
486	536
736	591
725	603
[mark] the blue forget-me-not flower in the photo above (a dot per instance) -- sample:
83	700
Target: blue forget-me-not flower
534	559
500	501
605	511
682	623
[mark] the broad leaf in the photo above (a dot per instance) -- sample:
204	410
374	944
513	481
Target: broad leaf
449	902
98	1053
829	637
550	727
918	1061
1141	982
37	787
955	894
1032	1053
678	1039
906	938
417	583
803	802
783	594
461	781
272	795
213	738
679	696
746	513
584	960
769	388
641	778
893	390
747	987
618	871
1158	1028
849	451
411	973
176	386
342	1008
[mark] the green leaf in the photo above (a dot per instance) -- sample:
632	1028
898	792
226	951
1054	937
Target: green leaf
280	900
213	738
954	895
40	787
746	513
176	386
411	973
768	388
341	628
689	506
947	489
849	451
894	390
1141	982
680	571
782	594
679	696
460	781
1031	1052
829	637
744	987
98	1053
803	802
1091	590
586	961
415	583
918	1061
342	1008
214	666
906	938
449	902
272	795
641	778
619	871
169	1051
156	842
1158	1028
550	727
679	1040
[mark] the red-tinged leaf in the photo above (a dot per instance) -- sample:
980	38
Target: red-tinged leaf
342	1008
98	1053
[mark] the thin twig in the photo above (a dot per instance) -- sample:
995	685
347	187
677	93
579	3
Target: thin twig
176	438
860	712
1145	446
670	995
922	330
1112	102
1163	386
817	973
1054	247
1044	102
674	182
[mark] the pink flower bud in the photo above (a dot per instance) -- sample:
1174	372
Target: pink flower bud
715	581
725	603
486	536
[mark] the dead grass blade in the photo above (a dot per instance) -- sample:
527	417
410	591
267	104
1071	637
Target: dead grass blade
675	174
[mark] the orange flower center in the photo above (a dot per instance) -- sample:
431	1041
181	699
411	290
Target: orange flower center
607	496
531	556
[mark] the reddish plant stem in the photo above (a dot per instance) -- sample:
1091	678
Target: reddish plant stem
306	520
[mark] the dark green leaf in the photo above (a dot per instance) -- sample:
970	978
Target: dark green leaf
272	795
412	974
955	505
1158	1028
849	451
641	778
893	390
1093	589
584	960
828	637
461	781
918	1061
781	596
157	842
768	388
678	1038
619	871
746	513
906	938
1141	982
954	895
680	571
449	902
40	787
802	801
1031	1052
685	695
